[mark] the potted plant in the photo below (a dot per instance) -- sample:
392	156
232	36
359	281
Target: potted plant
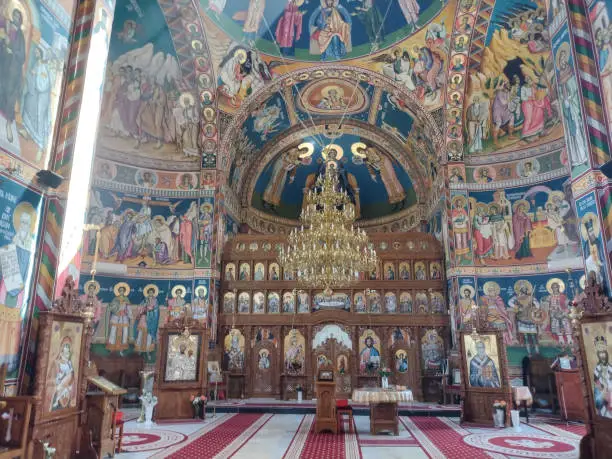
384	373
299	391
499	413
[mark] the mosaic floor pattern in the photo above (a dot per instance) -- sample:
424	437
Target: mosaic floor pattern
285	436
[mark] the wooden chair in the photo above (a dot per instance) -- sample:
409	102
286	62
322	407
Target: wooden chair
449	392
17	410
117	429
344	409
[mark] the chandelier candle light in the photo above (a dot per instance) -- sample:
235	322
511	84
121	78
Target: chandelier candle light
328	251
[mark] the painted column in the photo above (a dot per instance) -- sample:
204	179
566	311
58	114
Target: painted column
65	215
585	125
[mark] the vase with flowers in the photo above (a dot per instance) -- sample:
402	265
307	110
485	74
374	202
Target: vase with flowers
198	403
499	413
384	373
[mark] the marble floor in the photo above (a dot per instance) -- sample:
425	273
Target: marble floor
291	436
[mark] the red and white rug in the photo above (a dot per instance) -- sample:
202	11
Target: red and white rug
135	441
525	445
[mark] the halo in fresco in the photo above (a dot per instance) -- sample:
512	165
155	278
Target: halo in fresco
327	30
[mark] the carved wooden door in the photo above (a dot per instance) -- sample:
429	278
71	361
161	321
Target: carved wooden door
263	369
403	358
341	359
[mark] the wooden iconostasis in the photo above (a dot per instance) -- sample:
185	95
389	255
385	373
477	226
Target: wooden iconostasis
274	334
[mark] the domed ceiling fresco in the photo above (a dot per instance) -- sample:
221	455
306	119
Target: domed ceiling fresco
254	42
325	30
511	102
386	186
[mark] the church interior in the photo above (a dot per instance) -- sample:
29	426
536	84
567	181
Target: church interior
318	229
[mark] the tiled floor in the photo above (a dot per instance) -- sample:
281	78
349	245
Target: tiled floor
291	436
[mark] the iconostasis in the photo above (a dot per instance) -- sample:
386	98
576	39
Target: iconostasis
275	334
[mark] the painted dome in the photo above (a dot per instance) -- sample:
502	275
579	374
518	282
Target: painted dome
315	30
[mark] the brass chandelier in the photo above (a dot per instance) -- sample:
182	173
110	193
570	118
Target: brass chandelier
328	251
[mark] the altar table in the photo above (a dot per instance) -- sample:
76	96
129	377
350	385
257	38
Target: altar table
383	407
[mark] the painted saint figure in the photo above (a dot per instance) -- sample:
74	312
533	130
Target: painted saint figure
369	357
12	287
12	59
64	376
483	372
119	319
602	378
289	27
147	321
557	304
330	31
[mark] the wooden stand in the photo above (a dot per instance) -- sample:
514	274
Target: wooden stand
478	400
183	341
572	404
18	410
384	417
592	321
101	408
325	389
64	337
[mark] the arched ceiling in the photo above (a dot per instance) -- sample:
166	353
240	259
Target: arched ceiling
387	140
288	29
217	91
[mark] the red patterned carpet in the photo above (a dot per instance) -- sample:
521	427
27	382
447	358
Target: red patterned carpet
285	436
213	442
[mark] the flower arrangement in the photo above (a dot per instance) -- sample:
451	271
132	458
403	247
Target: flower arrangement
298	388
384	372
499	404
198	402
198	399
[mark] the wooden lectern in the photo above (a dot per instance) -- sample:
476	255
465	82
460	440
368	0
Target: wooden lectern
101	406
325	389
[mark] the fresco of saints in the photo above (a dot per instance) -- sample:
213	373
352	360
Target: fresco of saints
176	306
234	353
401	362
557	305
410	9
289	27
535	109
36	109
369	357
294	355
147	321
199	305
255	14
459	219
64	376
521	226
465	305
284	168
12	59
92	288
264	360
483	372
15	259
526	307
372	21
379	164
497	316
570	99
181	365
119	321
330	31
602	378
